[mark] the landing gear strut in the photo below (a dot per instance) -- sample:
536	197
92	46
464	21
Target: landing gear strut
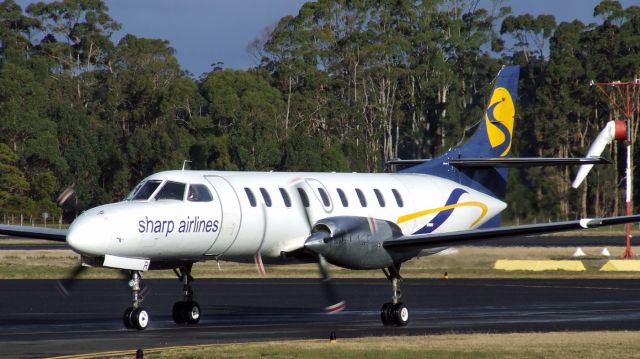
187	310
136	317
394	312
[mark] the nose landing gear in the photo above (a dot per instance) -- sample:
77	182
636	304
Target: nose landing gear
187	310
136	317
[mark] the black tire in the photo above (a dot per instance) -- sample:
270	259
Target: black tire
400	314
140	318
179	313
192	312
385	314
126	318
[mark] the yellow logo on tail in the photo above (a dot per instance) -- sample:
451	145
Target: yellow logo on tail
499	120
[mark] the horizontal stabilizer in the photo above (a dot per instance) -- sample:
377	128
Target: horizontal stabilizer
433	240
400	162
525	162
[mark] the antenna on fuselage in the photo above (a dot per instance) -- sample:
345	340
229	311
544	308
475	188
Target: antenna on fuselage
184	164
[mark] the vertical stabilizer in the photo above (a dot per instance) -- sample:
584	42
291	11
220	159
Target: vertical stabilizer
492	139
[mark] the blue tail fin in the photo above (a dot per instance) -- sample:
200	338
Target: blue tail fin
492	139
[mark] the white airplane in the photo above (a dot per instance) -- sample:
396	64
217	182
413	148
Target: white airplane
174	219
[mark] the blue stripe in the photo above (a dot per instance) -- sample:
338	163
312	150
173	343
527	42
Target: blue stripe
442	216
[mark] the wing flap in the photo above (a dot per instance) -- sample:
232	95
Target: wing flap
425	241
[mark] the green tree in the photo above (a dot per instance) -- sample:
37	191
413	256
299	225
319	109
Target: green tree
247	108
13	185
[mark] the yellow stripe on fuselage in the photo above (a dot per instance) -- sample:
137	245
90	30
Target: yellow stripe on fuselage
482	206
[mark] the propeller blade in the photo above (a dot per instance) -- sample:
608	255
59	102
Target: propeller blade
65	286
257	258
334	303
302	196
314	244
66	194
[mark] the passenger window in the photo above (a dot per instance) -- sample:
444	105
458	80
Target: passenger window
343	198
361	197
144	191
266	197
250	197
324	196
398	197
285	197
379	196
171	190
303	197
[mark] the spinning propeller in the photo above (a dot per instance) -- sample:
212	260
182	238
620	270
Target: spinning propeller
334	303
67	285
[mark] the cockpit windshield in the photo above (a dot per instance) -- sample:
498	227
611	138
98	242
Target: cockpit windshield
199	193
143	191
171	190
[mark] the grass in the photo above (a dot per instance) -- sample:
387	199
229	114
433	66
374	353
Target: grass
461	262
562	345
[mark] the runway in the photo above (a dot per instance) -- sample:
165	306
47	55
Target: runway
36	321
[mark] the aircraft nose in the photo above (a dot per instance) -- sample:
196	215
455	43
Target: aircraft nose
88	234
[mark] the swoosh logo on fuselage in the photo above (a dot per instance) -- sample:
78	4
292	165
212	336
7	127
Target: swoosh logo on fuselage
445	212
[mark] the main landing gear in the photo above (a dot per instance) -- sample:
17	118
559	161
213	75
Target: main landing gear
136	317
187	310
394	312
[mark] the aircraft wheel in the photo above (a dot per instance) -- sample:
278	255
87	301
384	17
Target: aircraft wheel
140	318
179	313
186	312
400	314
386	315
192	312
126	318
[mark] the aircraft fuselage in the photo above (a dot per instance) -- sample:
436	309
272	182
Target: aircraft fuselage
266	212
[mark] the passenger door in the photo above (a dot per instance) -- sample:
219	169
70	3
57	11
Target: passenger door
231	216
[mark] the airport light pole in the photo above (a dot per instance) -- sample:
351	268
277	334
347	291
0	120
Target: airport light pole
624	96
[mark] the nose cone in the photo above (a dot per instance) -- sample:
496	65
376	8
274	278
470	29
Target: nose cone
89	233
316	242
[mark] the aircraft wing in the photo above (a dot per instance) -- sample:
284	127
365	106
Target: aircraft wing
50	234
425	241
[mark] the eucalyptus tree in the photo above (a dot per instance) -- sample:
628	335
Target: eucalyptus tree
75	37
372	68
247	113
150	102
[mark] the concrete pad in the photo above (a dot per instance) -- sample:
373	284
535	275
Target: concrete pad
621	265
539	265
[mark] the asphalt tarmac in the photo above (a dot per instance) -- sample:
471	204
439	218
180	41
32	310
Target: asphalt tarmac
36	321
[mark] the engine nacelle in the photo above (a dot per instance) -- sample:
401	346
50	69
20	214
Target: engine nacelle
355	242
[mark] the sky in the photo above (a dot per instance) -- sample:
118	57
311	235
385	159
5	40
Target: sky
204	32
